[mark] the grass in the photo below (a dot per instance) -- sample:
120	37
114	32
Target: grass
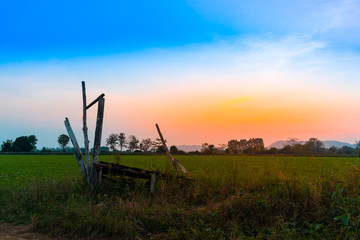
232	197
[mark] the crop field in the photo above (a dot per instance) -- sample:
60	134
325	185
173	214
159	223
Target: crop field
19	170
231	197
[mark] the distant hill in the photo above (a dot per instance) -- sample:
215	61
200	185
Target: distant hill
327	144
189	148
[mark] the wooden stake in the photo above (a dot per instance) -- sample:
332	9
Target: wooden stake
77	151
98	130
85	130
173	160
152	182
97	140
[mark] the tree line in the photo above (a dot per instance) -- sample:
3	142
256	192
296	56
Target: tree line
120	142
293	147
21	144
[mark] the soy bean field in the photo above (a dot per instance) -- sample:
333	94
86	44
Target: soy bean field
229	197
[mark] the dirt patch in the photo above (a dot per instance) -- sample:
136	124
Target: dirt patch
22	232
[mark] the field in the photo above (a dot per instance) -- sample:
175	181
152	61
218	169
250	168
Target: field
231	197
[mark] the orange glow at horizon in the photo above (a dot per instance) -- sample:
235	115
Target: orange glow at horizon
202	118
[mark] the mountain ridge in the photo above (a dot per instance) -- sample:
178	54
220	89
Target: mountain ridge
327	144
278	144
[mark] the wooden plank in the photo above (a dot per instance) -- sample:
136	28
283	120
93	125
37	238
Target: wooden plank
95	101
85	130
115	169
77	151
173	161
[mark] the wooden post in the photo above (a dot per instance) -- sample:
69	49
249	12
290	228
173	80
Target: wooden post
173	160
97	141
77	151
85	130
98	130
152	182
88	171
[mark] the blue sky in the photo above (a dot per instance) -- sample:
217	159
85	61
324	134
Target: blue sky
173	62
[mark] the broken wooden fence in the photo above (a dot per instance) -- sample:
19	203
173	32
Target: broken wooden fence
88	170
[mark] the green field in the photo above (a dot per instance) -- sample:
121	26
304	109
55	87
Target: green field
256	196
19	170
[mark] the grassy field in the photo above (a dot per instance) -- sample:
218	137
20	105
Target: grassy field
231	197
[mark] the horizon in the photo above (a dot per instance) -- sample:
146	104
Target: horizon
205	71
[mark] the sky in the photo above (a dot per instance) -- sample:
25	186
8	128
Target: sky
204	70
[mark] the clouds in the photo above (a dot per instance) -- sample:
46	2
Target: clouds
254	68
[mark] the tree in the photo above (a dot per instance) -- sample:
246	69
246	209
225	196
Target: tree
332	150
207	148
24	144
111	141
287	149
160	149
63	140
155	145
293	141
314	146
174	150
235	146
357	148
145	144
133	143
204	147
255	145
122	141
273	150
6	146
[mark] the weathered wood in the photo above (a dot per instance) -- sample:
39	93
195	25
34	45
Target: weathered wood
85	130
152	182
100	175
173	160
95	101
97	140
77	151
116	169
98	130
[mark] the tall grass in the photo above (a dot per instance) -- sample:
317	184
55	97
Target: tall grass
230	198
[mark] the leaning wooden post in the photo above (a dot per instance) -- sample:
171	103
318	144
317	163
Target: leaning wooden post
77	151
85	130
173	160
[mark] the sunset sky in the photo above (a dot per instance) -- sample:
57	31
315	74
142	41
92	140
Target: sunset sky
204	70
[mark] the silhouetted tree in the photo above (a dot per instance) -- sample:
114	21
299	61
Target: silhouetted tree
145	144
174	150
122	141
333	150
63	140
156	144
254	145
111	141
133	143
287	149
207	148
160	149
6	146
24	144
314	146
